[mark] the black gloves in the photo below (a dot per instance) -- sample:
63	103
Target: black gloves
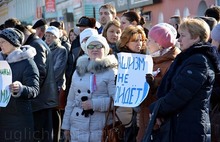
86	112
149	78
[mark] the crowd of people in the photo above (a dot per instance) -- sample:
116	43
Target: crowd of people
63	82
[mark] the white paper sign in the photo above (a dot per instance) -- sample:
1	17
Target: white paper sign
5	81
131	85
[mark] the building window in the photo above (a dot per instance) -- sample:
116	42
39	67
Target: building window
177	12
186	12
160	18
218	2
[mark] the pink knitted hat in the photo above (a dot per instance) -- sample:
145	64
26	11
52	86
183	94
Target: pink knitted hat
164	34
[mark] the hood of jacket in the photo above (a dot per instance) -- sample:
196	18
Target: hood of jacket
85	65
22	53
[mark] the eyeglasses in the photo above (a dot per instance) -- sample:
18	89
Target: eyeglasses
48	36
98	46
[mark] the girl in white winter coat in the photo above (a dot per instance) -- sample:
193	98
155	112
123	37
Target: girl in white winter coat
93	83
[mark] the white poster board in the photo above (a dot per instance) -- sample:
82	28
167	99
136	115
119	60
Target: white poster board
131	85
5	81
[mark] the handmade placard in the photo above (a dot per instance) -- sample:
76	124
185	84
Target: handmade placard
131	85
5	81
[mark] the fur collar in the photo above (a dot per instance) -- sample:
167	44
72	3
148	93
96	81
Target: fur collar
25	52
55	44
84	64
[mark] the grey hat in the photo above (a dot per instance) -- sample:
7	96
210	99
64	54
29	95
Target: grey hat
13	36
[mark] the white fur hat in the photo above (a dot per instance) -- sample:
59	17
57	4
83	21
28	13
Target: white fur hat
54	30
87	33
100	39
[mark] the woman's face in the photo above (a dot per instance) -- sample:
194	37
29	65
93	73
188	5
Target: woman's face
6	47
72	36
124	23
95	50
49	38
186	40
135	44
152	46
113	34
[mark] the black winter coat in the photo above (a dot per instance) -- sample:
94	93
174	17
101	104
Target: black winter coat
215	98
65	43
185	92
48	97
73	55
16	119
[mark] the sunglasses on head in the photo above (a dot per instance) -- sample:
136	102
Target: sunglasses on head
98	46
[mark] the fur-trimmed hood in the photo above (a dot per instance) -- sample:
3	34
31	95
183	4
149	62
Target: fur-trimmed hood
84	64
22	53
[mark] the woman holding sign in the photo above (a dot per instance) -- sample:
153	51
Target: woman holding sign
132	40
186	87
93	83
16	120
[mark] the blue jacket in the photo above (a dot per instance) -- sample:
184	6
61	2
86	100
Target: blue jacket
185	92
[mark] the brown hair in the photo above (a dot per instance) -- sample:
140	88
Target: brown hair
132	16
110	7
12	22
108	25
131	33
213	12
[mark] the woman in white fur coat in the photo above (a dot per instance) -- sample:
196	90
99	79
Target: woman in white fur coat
93	83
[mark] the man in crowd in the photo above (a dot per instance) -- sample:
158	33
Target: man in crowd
40	26
107	12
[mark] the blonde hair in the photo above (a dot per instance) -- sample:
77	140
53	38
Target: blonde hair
115	23
196	28
130	33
